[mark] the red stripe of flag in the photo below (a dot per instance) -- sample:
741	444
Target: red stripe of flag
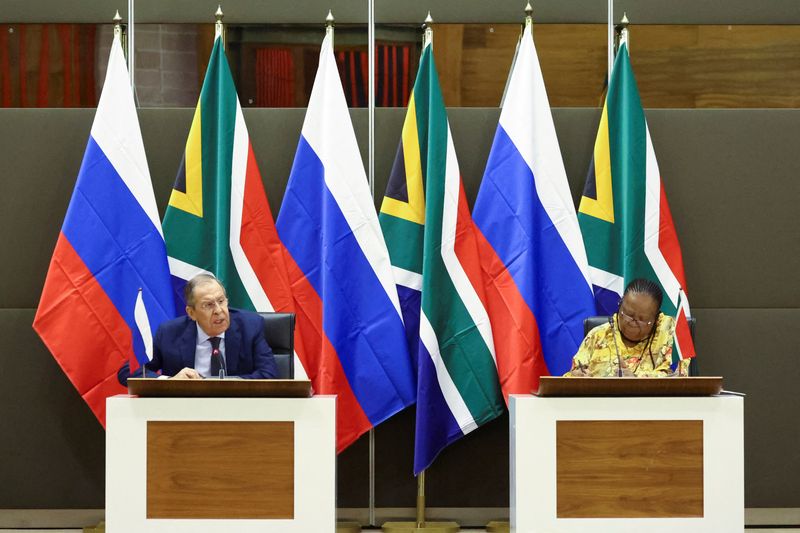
519	356
466	245
668	239
683	335
520	362
260	241
320	360
82	329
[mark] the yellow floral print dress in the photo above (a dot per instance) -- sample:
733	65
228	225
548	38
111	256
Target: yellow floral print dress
597	355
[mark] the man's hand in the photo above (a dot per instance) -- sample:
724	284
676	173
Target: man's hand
187	373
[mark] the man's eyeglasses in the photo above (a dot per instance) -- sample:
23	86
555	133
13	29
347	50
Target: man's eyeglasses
634	322
211	305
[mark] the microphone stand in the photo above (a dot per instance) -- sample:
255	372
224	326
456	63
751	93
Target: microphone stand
616	347
223	368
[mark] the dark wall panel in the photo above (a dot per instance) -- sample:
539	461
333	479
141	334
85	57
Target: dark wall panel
53	447
590	11
754	350
728	177
408	11
731	177
42	151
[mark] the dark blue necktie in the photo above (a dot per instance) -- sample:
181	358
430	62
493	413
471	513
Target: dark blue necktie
216	356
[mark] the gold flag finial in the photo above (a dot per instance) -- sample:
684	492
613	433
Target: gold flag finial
621	31
119	32
427	36
219	30
117	25
528	15
329	23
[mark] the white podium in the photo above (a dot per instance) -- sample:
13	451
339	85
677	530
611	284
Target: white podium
197	465
627	464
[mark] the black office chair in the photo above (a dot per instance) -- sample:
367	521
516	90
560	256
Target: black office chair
279	334
593	321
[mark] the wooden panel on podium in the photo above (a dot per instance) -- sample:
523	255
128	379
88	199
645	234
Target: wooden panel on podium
614	464
219	388
629	468
220	465
553	386
198	469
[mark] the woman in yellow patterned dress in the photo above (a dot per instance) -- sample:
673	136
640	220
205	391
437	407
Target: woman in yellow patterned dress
637	340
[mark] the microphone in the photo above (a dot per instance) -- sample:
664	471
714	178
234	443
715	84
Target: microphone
223	370
616	348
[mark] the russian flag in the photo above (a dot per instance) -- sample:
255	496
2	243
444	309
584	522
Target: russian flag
109	255
348	312
538	284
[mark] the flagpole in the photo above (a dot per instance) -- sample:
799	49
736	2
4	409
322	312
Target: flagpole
427	34
528	16
131	49
502	525
528	22
610	39
118	28
371	95
347	526
427	40
371	178
420	525
622	31
219	28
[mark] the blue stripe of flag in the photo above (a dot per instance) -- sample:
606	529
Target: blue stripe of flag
436	426
510	214
607	300
118	243
410	304
358	316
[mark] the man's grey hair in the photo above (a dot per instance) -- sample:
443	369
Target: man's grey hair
200	279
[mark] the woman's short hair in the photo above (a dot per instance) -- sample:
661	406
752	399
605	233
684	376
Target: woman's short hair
645	286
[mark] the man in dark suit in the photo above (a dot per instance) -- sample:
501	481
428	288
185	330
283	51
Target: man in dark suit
211	337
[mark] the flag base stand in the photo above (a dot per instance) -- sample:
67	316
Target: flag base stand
421	525
497	526
348	527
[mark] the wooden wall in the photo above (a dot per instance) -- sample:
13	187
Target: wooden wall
676	66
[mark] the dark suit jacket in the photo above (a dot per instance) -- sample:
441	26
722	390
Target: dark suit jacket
247	354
